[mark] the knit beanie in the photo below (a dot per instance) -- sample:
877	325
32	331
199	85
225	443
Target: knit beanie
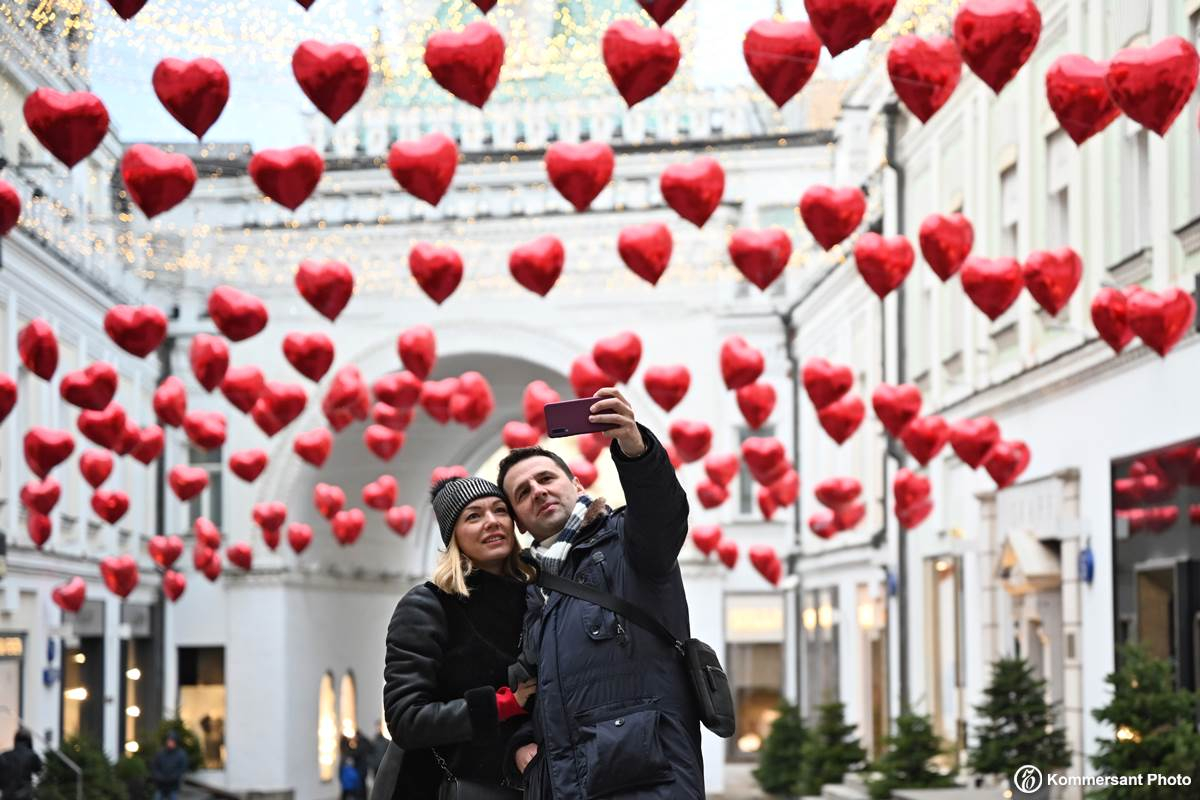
456	494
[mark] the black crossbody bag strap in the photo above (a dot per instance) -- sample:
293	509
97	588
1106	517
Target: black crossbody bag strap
613	603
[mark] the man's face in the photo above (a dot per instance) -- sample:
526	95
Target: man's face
541	495
170	744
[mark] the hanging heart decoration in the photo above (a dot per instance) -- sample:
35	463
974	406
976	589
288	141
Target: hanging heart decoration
467	64
193	92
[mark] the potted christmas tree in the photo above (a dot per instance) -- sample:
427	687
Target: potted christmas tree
830	750
781	762
905	762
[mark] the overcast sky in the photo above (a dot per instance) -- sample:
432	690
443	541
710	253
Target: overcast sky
266	106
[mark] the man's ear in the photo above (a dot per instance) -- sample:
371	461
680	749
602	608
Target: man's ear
578	485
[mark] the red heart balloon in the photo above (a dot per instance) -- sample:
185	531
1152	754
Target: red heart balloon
1077	91
398	419
579	171
193	92
913	515
417	347
667	385
187	482
69	125
841	24
441	473
8	396
909	488
96	466
646	250
519	434
165	550
314	446
760	255
157	180
382	441
401	390
212	567
467	64
992	284
996	37
766	503
727	551
299	536
45	449
825	382
1110	316
706	538
841	418
782	57
1006	461
786	489
206	534
310	353
209	357
106	428
69	596
765	458
380	493
277	406
328	499
90	388
692	439
473	402
38	348
332	76
586	376
756	401
287	176
401	519
973	438
925	437
694	190
173	584
1052	277
10	207
721	468
618	356
149	445
437	270
741	364
946	241
41	495
170	401
242	386
883	263
484	5
584	471
1160	319
110	505
1153	84
248	464
348	525
39	527
424	168
847	517
538	264
347	399
205	429
832	214
269	516
326	285
120	574
823	523
436	397
591	445
924	72
711	495
640	61
129	440
764	559
240	555
661	10
896	406
136	329
236	314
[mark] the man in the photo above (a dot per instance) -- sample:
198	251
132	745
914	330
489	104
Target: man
17	768
614	716
167	769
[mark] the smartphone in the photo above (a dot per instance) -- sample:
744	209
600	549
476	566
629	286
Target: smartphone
570	418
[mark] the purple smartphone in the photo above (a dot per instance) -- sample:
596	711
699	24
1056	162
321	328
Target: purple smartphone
570	418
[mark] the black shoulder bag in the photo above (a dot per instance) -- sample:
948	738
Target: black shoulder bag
710	685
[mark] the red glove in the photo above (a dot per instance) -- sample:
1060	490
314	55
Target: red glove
507	706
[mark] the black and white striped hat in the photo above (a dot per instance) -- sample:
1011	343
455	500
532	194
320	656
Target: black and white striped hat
455	494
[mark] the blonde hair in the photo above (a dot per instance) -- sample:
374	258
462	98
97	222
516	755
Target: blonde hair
450	573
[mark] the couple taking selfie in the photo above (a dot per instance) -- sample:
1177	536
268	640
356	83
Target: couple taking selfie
564	671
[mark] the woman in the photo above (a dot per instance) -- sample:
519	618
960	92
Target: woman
449	646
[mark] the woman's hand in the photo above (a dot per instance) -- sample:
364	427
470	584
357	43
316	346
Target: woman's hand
525	755
525	690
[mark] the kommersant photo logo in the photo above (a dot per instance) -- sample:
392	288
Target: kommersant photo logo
1028	779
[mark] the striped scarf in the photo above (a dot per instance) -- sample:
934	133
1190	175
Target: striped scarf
552	557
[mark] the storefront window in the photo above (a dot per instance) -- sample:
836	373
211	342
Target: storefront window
141	674
820	623
327	728
347	701
83	674
12	655
202	699
1156	541
754	635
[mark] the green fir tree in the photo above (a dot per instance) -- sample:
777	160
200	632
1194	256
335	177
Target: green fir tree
905	761
100	780
1154	728
830	750
1017	725
780	764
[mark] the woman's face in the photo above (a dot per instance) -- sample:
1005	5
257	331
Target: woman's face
484	533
